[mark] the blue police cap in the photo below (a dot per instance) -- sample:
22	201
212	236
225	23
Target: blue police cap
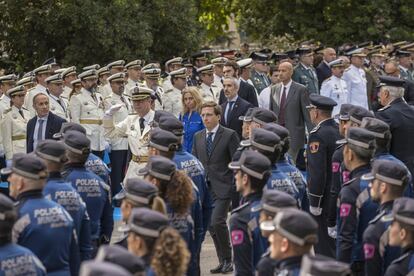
263	116
28	166
159	167
119	255
377	127
319	265
297	226
69	126
263	140
76	142
97	268
274	201
51	150
403	210
321	102
277	129
248	115
161	113
171	124
163	140
147	222
358	137
357	113
343	114
388	171
252	163
137	190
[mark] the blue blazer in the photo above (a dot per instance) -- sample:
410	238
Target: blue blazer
53	125
239	109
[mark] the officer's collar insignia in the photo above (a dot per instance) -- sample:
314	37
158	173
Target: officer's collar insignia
314	147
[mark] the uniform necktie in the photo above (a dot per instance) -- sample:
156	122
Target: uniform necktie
141	124
40	130
21	113
209	143
61	104
123	100
229	109
282	106
94	97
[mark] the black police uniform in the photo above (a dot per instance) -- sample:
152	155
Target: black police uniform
400	117
321	146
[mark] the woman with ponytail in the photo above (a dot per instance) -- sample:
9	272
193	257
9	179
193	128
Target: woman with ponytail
138	193
175	187
160	246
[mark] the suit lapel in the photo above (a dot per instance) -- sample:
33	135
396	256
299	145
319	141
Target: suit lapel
291	92
233	111
217	138
48	125
276	96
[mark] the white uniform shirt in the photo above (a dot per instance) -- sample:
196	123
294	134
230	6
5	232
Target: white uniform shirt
356	83
172	101
336	89
28	101
13	131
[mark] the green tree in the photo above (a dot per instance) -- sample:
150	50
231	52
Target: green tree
85	32
331	22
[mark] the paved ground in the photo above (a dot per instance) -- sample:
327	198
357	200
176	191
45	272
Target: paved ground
208	258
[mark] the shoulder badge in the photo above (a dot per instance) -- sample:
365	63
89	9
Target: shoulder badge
314	147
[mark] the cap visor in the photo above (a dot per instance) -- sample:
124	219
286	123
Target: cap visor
57	135
343	117
143	171
234	166
124	228
6	171
267	226
245	143
367	176
341	142
121	195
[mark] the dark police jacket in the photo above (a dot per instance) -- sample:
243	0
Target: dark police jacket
18	260
242	223
96	195
403	264
44	227
356	210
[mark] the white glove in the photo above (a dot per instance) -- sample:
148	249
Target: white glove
316	211
332	232
115	108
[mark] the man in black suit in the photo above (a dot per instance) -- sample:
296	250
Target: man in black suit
246	91
44	125
323	71
214	147
288	100
234	107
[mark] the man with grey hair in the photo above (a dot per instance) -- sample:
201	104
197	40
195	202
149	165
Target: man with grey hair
323	71
400	117
234	107
392	69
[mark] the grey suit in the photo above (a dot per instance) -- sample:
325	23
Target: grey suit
296	114
220	179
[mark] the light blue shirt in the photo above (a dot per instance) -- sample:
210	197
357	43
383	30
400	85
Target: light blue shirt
214	131
36	130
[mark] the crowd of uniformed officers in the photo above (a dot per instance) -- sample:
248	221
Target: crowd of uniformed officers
315	169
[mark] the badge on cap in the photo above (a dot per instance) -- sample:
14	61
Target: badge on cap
345	210
237	237
369	251
314	147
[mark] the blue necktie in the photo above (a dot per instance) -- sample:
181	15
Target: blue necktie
209	143
230	107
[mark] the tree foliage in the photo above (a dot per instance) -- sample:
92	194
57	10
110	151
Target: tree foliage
331	22
83	32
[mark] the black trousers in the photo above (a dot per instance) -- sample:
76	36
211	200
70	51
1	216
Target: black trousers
326	245
118	167
219	230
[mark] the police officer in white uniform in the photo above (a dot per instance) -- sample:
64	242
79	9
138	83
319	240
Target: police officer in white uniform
14	123
103	75
134	74
209	91
218	70
335	87
58	105
119	143
113	67
170	66
355	79
41	73
136	127
151	80
172	97
68	75
87	109
6	82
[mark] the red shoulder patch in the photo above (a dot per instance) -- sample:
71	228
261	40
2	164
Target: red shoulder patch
237	237
345	210
314	147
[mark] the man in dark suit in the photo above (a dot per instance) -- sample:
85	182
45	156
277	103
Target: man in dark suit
400	117
246	91
44	125
214	147
323	71
288	101
234	107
